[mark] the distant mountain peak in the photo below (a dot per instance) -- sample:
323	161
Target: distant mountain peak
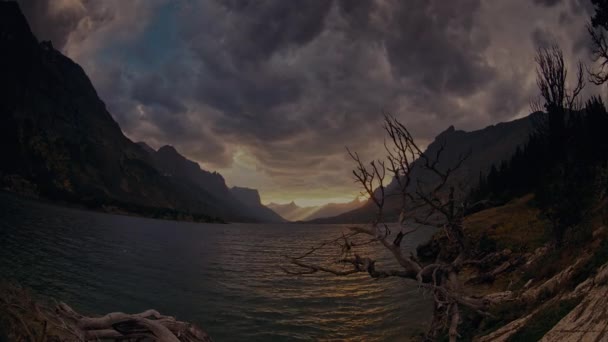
146	147
447	133
293	212
168	149
247	195
251	198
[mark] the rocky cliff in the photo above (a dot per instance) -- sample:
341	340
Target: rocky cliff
175	166
250	198
59	142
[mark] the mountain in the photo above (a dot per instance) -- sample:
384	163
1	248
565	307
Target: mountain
333	209
251	199
487	146
59	142
172	164
146	147
293	212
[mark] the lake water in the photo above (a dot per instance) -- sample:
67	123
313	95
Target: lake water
226	278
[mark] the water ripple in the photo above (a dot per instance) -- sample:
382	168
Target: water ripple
224	277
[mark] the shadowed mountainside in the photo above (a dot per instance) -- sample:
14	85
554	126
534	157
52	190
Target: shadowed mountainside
251	199
174	165
59	142
487	146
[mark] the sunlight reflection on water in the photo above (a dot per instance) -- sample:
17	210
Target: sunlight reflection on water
224	277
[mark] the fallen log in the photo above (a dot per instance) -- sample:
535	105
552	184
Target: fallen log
23	318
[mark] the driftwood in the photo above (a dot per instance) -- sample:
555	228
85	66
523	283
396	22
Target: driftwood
439	200
26	319
437	203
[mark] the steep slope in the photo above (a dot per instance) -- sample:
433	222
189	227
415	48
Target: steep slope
59	142
333	209
487	146
251	199
146	147
172	164
175	166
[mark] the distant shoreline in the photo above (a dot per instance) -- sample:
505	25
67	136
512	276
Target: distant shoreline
116	210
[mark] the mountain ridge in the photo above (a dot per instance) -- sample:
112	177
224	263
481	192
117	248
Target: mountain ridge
173	164
61	143
292	212
487	146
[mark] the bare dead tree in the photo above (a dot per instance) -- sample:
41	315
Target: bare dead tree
371	179
433	203
551	78
599	47
556	98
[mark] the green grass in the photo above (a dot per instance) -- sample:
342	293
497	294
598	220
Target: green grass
516	225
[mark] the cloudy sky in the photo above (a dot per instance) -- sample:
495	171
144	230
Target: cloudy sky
270	92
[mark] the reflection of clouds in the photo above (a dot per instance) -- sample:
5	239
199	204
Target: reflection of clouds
215	79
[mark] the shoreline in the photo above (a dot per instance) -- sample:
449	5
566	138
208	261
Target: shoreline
27	317
105	209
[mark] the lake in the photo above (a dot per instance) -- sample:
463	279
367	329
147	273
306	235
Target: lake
226	278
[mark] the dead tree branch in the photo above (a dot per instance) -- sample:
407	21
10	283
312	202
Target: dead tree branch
419	202
41	322
599	49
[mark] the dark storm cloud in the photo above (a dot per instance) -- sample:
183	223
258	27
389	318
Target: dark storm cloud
432	45
319	58
543	38
154	90
56	28
287	84
549	3
584	7
57	20
235	48
357	13
263	27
